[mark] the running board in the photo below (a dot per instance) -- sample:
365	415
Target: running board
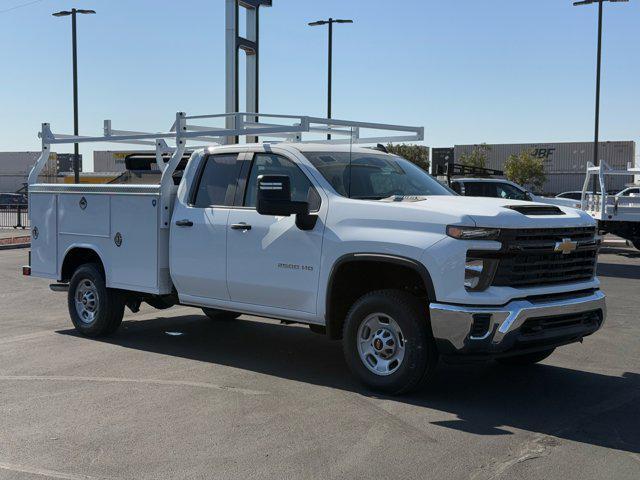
59	287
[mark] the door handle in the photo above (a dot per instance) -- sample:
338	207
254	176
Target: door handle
240	226
184	223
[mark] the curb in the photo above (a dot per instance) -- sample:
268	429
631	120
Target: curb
12	246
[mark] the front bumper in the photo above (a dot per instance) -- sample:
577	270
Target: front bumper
521	326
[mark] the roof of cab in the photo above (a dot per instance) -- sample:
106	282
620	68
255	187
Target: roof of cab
481	179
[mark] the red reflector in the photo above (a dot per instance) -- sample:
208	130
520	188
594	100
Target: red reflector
26	270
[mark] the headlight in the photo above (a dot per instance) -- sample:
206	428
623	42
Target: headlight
473	233
478	273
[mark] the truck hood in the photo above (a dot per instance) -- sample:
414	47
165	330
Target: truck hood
499	213
565	202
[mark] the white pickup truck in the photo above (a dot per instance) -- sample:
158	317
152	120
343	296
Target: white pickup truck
355	242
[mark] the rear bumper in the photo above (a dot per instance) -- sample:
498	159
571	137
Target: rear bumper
520	326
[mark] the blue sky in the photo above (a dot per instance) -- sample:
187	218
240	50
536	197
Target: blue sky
470	71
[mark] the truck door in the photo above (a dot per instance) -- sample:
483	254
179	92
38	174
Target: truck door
198	241
271	262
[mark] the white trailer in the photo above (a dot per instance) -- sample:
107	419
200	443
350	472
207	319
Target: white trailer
615	214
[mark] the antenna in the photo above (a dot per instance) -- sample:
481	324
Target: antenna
350	162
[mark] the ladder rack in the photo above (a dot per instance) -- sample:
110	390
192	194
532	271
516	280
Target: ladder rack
289	128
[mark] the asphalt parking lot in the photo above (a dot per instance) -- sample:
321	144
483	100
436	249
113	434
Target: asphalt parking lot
176	395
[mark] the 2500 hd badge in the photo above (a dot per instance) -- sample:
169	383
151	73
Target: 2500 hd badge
295	266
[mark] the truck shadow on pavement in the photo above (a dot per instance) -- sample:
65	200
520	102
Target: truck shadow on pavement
487	400
619	270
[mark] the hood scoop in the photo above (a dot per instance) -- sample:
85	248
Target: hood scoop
532	210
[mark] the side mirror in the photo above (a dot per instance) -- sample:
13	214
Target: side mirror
274	197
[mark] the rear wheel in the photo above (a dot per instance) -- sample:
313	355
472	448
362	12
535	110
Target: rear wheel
526	359
387	342
95	310
215	314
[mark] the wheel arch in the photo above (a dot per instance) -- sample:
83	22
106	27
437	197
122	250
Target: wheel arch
78	254
333	314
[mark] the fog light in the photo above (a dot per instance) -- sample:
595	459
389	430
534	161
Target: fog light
473	269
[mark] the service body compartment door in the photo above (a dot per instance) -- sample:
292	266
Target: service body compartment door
43	213
84	214
133	244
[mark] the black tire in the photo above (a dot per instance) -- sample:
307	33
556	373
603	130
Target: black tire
420	352
215	314
110	303
525	359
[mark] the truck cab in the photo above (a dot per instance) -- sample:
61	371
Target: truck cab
359	244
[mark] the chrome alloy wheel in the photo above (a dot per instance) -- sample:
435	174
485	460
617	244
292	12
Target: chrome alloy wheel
87	302
381	344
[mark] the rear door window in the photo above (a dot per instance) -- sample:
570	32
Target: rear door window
478	189
217	181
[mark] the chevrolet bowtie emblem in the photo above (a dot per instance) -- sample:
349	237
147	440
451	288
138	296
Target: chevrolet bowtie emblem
566	246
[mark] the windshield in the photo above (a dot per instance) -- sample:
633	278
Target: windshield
374	176
504	190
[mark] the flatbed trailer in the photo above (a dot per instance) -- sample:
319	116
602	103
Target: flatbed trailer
618	215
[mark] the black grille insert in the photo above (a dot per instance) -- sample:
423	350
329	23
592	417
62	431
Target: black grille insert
529	258
557	323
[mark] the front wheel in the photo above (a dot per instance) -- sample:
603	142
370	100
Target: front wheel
95	310
525	359
387	342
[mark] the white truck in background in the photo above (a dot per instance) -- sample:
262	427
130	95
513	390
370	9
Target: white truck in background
357	243
618	214
484	186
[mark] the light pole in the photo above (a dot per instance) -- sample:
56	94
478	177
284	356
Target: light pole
74	46
598	64
329	22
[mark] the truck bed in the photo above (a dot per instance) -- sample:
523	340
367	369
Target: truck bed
120	222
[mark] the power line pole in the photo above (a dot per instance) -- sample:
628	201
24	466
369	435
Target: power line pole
329	22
